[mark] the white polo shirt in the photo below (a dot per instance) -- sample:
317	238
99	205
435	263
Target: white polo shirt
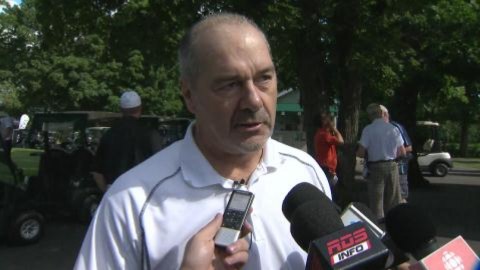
381	140
146	218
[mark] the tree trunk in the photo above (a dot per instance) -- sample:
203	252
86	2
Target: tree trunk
350	101
314	95
464	126
404	110
346	17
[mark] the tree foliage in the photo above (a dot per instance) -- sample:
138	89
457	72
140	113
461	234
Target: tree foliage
420	58
80	55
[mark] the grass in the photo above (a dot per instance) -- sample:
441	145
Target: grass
466	163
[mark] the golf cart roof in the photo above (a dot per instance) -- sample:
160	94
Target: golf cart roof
427	123
74	120
91	115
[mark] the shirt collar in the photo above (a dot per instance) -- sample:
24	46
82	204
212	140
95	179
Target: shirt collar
198	172
378	120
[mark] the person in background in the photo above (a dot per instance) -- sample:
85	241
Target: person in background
402	161
145	220
326	140
384	144
6	130
127	143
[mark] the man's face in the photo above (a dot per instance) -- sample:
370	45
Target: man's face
234	93
386	116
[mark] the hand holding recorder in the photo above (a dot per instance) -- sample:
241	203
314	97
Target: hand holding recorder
221	243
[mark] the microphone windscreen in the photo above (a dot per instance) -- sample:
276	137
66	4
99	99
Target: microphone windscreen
298	195
312	220
409	227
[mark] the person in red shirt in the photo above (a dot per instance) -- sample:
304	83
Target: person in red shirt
327	137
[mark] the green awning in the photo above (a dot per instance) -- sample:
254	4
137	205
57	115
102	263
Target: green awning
289	107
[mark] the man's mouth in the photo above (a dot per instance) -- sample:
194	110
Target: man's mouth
250	126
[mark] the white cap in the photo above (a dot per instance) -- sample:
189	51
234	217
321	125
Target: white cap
130	99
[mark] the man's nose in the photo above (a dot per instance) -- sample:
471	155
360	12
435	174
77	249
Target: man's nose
251	99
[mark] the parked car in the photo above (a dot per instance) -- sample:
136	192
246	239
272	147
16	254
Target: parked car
432	158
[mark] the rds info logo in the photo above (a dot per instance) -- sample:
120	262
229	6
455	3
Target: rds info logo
348	246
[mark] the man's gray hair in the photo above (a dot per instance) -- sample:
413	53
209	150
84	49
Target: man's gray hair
384	111
187	57
383	108
374	111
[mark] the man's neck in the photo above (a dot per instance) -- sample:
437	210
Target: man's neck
236	167
231	166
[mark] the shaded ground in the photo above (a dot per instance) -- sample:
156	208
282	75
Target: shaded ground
452	203
58	249
453	208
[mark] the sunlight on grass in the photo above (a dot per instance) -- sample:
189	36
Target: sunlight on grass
466	163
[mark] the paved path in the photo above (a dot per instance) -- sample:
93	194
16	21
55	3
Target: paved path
57	250
453	203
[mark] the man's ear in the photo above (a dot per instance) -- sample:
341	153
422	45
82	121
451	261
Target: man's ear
187	95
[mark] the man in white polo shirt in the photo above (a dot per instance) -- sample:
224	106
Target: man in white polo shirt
383	144
146	218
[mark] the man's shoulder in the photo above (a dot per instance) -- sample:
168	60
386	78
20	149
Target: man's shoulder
369	127
288	151
160	165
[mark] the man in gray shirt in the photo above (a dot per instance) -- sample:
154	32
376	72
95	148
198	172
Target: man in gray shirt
384	144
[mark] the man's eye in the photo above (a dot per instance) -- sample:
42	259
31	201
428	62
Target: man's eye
230	85
264	78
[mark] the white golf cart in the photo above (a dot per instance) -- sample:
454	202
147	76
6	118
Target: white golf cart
432	158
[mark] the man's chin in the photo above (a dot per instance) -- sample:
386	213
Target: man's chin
251	147
253	144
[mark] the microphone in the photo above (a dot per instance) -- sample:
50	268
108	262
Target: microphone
302	193
413	231
317	227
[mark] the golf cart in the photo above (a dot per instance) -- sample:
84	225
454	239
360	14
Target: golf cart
55	155
432	158
173	129
20	221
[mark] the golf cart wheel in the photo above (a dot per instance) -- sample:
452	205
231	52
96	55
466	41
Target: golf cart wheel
26	228
88	208
440	169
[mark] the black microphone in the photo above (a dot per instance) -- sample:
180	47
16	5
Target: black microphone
316	226
412	230
302	193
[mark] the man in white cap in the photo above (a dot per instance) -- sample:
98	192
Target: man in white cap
125	144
